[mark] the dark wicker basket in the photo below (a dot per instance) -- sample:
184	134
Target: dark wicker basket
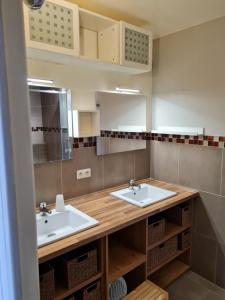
184	239
47	282
159	254
180	215
78	266
156	230
92	292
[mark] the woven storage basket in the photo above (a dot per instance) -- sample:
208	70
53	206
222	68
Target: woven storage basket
184	239
159	254
156	230
92	292
47	282
77	267
180	215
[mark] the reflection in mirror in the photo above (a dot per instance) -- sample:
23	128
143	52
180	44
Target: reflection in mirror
51	121
121	113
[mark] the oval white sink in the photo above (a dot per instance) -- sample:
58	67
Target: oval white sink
58	225
146	195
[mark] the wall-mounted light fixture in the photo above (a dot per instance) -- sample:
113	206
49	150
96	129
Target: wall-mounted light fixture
38	81
127	91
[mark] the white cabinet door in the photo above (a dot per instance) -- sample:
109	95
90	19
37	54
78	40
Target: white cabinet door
135	47
53	28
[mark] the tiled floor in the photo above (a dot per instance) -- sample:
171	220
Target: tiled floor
193	287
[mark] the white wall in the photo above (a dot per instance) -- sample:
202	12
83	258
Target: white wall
189	78
18	154
84	82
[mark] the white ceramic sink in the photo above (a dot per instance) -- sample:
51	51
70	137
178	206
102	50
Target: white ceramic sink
146	195
58	225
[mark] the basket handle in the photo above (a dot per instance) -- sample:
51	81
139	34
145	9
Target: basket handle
162	245
186	232
186	208
82	257
91	287
156	224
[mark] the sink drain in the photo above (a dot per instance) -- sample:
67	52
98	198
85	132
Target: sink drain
51	234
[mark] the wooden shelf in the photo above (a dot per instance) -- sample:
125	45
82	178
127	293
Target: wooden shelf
148	291
169	273
171	231
178	253
62	292
122	259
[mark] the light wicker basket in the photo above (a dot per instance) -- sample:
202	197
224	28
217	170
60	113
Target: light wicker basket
161	253
78	266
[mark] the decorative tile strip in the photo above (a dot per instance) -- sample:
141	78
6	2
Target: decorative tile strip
208	141
126	135
84	142
49	129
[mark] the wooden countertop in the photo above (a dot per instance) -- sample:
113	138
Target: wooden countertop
113	214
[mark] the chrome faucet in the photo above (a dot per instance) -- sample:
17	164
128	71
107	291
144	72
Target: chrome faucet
133	184
43	209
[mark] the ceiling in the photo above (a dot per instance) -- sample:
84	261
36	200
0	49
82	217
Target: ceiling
162	16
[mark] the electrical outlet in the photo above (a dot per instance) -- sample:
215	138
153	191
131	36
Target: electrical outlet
85	173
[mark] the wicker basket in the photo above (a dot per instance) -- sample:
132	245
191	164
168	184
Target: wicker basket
184	239
92	292
78	266
180	215
47	282
156	230
159	254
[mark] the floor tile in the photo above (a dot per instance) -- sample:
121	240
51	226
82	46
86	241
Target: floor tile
192	286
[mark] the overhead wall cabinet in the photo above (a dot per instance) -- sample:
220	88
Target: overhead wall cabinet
62	32
53	28
99	37
135	47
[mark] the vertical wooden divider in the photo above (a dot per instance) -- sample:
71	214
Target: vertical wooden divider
104	267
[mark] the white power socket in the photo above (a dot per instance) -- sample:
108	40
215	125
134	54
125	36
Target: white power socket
85	173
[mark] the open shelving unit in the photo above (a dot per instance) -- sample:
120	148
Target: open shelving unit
169	273
178	253
171	231
61	292
123	259
86	123
124	253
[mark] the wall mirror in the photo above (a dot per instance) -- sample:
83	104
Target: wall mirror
123	113
51	122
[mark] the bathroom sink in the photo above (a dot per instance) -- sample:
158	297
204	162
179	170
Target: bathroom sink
145	195
58	225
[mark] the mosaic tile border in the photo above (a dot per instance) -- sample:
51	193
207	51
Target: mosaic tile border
84	142
203	140
49	129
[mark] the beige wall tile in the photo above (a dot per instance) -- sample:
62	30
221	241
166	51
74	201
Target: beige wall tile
204	256
211	216
200	168
164	161
118	168
83	158
47	181
142	163
220	266
223	175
